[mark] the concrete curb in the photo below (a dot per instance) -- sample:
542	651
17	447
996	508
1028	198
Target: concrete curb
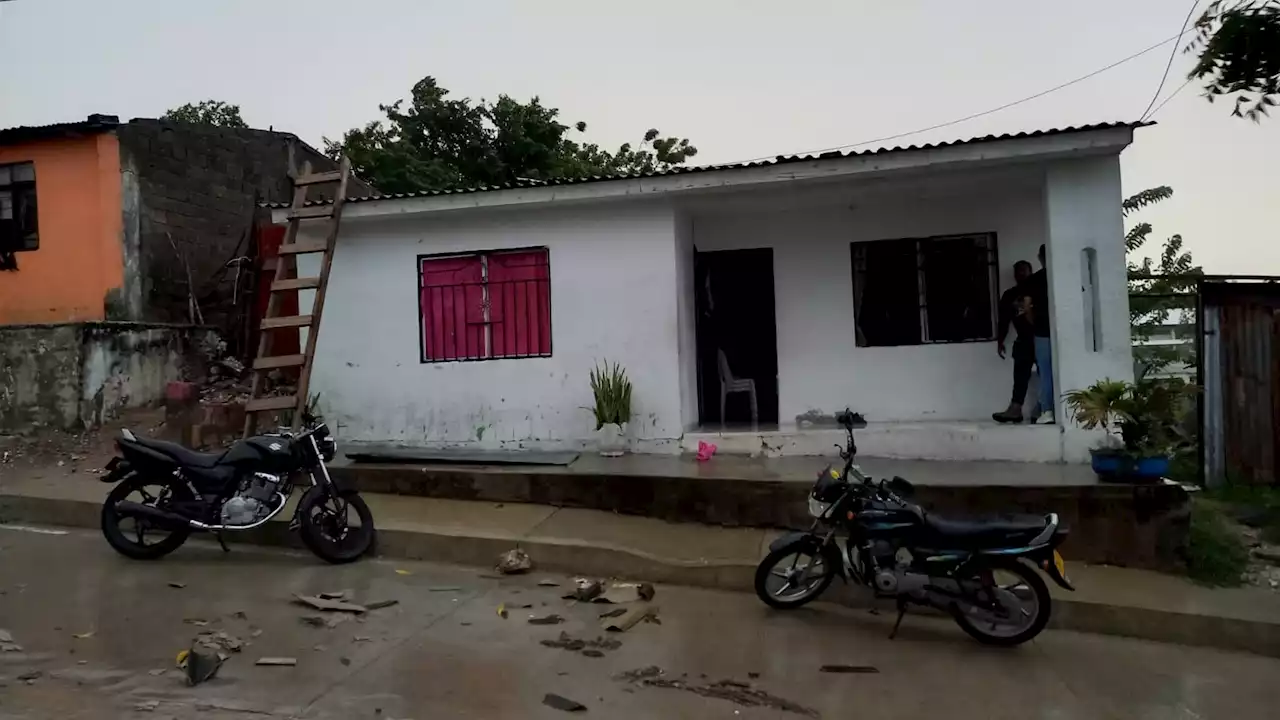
572	557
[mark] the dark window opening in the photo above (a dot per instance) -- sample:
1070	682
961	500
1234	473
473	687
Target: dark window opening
925	290
18	231
485	306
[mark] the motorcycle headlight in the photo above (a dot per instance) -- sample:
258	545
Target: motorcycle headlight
817	508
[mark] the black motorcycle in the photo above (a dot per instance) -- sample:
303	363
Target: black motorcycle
982	573
166	491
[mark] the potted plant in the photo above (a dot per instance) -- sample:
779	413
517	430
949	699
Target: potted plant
1142	421
612	393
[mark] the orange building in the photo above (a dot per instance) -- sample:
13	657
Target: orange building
61	228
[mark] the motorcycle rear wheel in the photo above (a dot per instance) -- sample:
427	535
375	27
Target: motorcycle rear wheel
778	566
137	547
326	529
1031	585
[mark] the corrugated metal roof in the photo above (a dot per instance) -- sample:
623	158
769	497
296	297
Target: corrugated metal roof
779	160
95	123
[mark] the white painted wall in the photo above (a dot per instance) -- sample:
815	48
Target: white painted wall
1082	203
686	321
613	295
820	366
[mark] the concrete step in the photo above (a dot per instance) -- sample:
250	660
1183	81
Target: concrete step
1115	601
1132	525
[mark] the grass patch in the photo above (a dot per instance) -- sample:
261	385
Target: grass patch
1255	505
1216	554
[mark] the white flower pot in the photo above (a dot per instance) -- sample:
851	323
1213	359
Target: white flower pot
611	440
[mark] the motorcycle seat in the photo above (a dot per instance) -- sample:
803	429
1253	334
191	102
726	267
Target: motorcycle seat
181	455
996	531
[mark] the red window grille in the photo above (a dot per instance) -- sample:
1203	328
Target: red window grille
485	306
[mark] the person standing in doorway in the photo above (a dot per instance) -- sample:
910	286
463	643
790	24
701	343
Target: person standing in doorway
1024	347
1036	306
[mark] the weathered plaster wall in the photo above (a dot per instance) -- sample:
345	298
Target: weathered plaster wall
83	374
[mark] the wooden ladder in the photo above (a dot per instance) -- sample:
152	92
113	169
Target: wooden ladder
286	263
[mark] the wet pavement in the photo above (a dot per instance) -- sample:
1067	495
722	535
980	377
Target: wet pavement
103	632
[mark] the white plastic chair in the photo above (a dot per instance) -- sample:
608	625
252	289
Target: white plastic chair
731	384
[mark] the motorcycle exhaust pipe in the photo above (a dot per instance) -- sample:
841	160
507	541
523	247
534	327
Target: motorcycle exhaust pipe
126	508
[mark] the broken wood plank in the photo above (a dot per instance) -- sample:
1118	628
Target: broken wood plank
295	284
283	402
288	321
277	661
278	361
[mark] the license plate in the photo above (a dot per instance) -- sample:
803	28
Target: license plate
1060	564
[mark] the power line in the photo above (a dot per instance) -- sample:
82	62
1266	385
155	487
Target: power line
1181	87
1172	53
966	118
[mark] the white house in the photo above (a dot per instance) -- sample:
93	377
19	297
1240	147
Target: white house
865	280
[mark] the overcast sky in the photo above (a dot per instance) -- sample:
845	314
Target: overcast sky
740	78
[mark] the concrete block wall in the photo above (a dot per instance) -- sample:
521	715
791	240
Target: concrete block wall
191	195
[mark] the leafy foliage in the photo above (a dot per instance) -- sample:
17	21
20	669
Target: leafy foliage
435	142
207	112
1238	43
1156	284
612	393
1147	414
1216	554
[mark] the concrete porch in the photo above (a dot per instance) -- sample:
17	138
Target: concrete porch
962	441
1132	525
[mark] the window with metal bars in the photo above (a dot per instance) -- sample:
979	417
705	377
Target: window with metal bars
485	305
918	291
18	230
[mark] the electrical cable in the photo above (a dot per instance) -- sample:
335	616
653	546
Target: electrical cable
957	121
1172	53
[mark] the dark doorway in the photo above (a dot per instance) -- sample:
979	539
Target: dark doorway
735	307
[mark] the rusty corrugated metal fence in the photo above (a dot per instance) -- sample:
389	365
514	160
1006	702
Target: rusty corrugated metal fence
1240	373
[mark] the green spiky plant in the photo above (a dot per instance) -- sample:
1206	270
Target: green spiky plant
611	391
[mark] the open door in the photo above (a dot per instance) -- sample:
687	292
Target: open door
737	338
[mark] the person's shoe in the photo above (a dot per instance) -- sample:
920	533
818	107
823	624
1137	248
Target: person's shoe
1046	418
1007	416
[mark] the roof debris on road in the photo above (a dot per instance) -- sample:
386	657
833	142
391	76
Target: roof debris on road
319	603
849	669
7	643
513	562
546	620
628	619
177	585
563	703
735	691
379	604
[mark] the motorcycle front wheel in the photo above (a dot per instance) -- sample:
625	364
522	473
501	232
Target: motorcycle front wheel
337	527
1019	605
792	576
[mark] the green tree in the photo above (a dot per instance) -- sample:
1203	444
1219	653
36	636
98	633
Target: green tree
1155	284
436	142
1238	48
207	112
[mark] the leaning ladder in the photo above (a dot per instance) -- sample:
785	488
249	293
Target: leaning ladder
286	263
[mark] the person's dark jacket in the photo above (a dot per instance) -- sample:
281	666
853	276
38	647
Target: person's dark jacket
1009	315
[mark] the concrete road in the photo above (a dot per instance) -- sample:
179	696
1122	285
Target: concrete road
103	632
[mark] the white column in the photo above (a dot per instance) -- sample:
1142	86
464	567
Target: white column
1088	283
